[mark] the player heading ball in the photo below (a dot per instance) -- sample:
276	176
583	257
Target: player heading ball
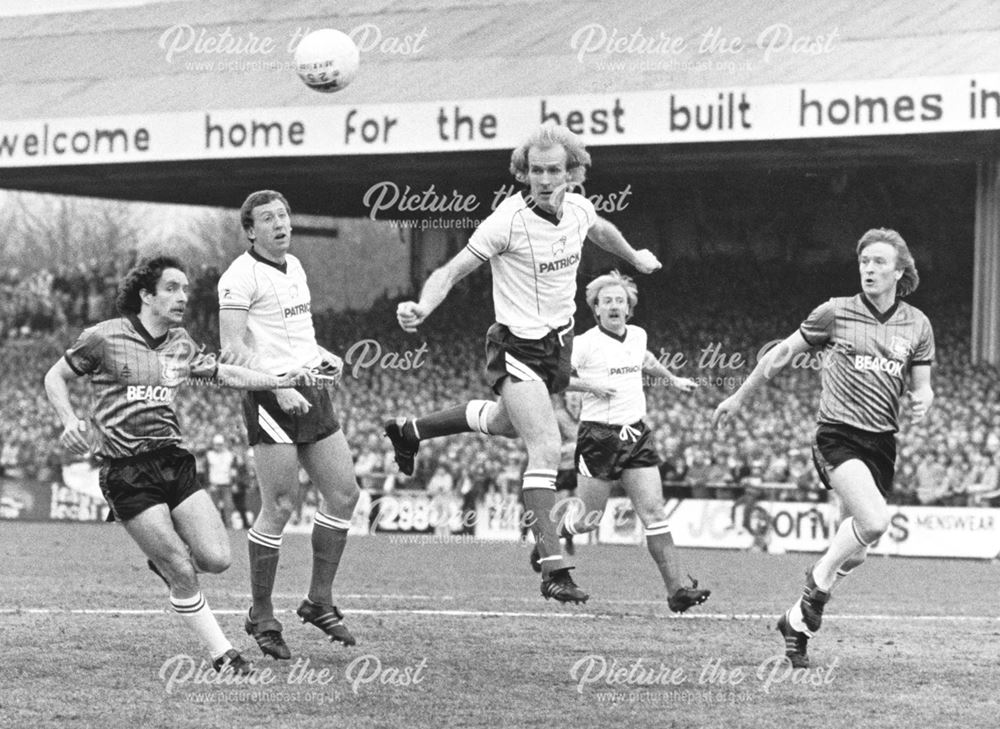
533	242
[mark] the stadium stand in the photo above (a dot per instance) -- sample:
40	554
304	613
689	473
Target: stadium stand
952	458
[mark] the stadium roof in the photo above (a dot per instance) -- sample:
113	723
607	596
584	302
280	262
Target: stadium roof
165	58
103	62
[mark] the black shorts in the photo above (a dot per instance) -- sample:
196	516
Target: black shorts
565	479
546	359
268	423
836	444
132	485
603	451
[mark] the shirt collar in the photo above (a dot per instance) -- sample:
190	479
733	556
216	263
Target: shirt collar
151	341
283	267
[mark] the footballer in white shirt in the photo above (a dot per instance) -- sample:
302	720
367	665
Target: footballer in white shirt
265	317
614	444
533	243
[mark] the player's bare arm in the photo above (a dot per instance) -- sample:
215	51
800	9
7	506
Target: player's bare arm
232	336
921	394
769	365
75	436
412	314
652	366
576	384
604	233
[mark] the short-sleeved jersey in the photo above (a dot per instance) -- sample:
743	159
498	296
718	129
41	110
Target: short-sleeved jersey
534	258
615	362
135	378
866	358
279	317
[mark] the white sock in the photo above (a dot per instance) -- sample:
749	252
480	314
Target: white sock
477	414
198	616
845	543
855	561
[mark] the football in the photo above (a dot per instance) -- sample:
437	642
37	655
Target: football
327	60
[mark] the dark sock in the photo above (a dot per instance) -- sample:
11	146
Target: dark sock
263	568
444	422
538	506
329	537
664	553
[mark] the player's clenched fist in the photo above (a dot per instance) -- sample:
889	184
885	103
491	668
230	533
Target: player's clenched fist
726	409
76	437
410	315
646	262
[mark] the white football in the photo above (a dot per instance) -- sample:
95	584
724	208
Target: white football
327	60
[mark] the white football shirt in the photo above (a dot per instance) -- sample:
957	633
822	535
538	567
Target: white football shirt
608	360
220	466
278	306
534	258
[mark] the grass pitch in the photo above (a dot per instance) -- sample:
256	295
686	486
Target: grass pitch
456	635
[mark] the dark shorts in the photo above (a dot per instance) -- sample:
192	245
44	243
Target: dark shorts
565	479
836	444
525	360
268	423
602	452
132	485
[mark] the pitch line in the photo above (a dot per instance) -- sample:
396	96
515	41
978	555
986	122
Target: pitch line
569	613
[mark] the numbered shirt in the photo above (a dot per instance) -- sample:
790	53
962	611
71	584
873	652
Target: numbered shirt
279	313
534	258
611	361
135	378
867	358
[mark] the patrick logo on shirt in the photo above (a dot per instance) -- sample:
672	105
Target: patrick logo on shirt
558	249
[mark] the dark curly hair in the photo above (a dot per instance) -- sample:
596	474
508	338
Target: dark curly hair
144	276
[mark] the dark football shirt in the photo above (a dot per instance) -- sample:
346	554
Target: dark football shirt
135	378
867	358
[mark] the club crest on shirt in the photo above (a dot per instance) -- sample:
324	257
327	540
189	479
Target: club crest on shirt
559	247
899	347
175	359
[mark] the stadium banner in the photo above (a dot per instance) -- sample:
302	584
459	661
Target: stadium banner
498	517
404	511
923	105
914	531
619	524
29	500
25	500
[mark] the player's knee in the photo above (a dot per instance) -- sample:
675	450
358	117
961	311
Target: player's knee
216	561
179	571
872	526
543	452
343	500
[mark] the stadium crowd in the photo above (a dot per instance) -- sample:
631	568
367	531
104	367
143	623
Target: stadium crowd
693	319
